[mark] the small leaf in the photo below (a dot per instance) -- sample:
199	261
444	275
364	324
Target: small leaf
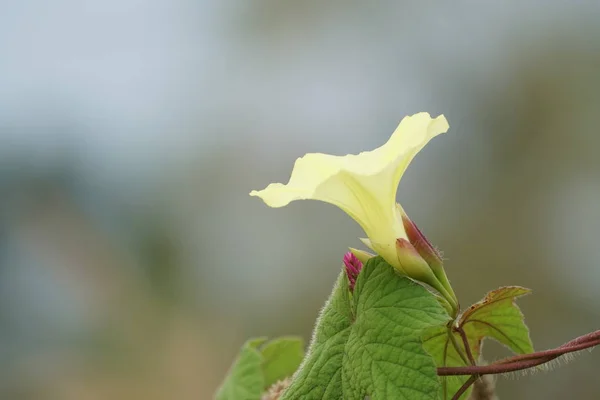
282	357
496	316
245	380
257	368
369	344
499	317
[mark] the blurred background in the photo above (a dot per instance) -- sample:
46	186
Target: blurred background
133	263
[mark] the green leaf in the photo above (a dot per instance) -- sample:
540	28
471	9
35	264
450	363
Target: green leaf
499	317
282	357
369	344
259	366
245	380
496	316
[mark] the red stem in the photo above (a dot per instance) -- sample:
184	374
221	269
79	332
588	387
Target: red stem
525	361
517	363
504	366
464	387
588	338
465	340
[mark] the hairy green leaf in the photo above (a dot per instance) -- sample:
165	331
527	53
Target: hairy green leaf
369	344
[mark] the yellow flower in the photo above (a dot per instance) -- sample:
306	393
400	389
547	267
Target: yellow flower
365	186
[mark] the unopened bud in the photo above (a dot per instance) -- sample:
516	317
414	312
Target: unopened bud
420	243
411	261
427	252
353	268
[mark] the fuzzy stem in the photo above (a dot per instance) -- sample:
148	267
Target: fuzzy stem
525	361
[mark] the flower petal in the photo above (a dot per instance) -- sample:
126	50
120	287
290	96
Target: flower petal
315	170
363	185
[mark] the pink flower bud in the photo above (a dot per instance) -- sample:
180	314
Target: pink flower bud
353	268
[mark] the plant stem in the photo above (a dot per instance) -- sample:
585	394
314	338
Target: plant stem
525	361
473	378
465	387
455	343
465	341
442	290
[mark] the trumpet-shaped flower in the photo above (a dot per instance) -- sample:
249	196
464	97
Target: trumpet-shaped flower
365	186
